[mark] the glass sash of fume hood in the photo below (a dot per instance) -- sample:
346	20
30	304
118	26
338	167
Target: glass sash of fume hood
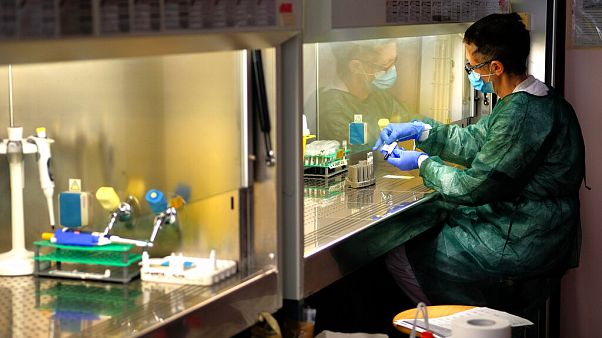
431	82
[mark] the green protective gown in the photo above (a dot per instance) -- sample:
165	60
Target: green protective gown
337	109
516	203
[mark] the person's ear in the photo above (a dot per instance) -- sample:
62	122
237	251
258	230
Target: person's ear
496	67
355	66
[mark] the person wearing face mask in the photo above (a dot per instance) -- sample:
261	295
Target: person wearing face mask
513	196
366	71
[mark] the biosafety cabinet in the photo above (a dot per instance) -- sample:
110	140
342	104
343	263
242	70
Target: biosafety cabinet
367	64
154	97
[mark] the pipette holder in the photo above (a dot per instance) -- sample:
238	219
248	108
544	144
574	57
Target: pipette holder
18	261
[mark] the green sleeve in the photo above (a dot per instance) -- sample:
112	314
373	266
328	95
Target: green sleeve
334	116
510	153
454	143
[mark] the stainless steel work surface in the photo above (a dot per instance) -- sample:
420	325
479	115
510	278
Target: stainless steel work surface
334	211
39	307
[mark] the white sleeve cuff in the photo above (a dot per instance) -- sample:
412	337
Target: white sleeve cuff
421	159
425	132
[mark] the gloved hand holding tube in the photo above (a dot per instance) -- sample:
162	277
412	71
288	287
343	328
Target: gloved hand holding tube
406	159
399	132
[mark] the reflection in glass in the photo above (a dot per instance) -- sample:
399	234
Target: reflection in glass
77	306
383	80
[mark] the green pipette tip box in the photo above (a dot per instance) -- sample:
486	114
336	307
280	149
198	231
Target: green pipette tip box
106	255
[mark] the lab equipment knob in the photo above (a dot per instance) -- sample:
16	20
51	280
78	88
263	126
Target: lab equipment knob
156	200
108	198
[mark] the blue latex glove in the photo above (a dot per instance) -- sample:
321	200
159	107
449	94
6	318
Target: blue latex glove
399	132
405	159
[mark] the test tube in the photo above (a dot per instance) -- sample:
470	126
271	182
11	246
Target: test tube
362	171
352	173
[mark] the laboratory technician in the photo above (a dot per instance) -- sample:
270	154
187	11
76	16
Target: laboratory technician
513	212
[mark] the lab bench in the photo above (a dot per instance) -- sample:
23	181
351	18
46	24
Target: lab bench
346	228
40	307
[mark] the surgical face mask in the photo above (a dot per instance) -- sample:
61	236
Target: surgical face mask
385	79
477	82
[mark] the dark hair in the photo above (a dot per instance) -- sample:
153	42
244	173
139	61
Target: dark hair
501	37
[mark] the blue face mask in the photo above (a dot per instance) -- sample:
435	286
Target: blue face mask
385	80
478	83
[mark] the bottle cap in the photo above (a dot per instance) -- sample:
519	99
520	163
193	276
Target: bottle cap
108	198
41	132
156	200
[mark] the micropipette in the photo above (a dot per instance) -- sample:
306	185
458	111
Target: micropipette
44	160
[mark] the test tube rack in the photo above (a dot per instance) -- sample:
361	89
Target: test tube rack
328	165
362	174
179	269
111	262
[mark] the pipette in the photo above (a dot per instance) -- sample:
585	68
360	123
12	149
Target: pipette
67	236
44	160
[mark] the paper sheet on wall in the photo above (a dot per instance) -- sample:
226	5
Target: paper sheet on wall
434	11
587	22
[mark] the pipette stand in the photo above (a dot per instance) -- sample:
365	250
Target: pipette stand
18	261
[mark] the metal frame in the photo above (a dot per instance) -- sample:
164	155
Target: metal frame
291	168
70	49
306	275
